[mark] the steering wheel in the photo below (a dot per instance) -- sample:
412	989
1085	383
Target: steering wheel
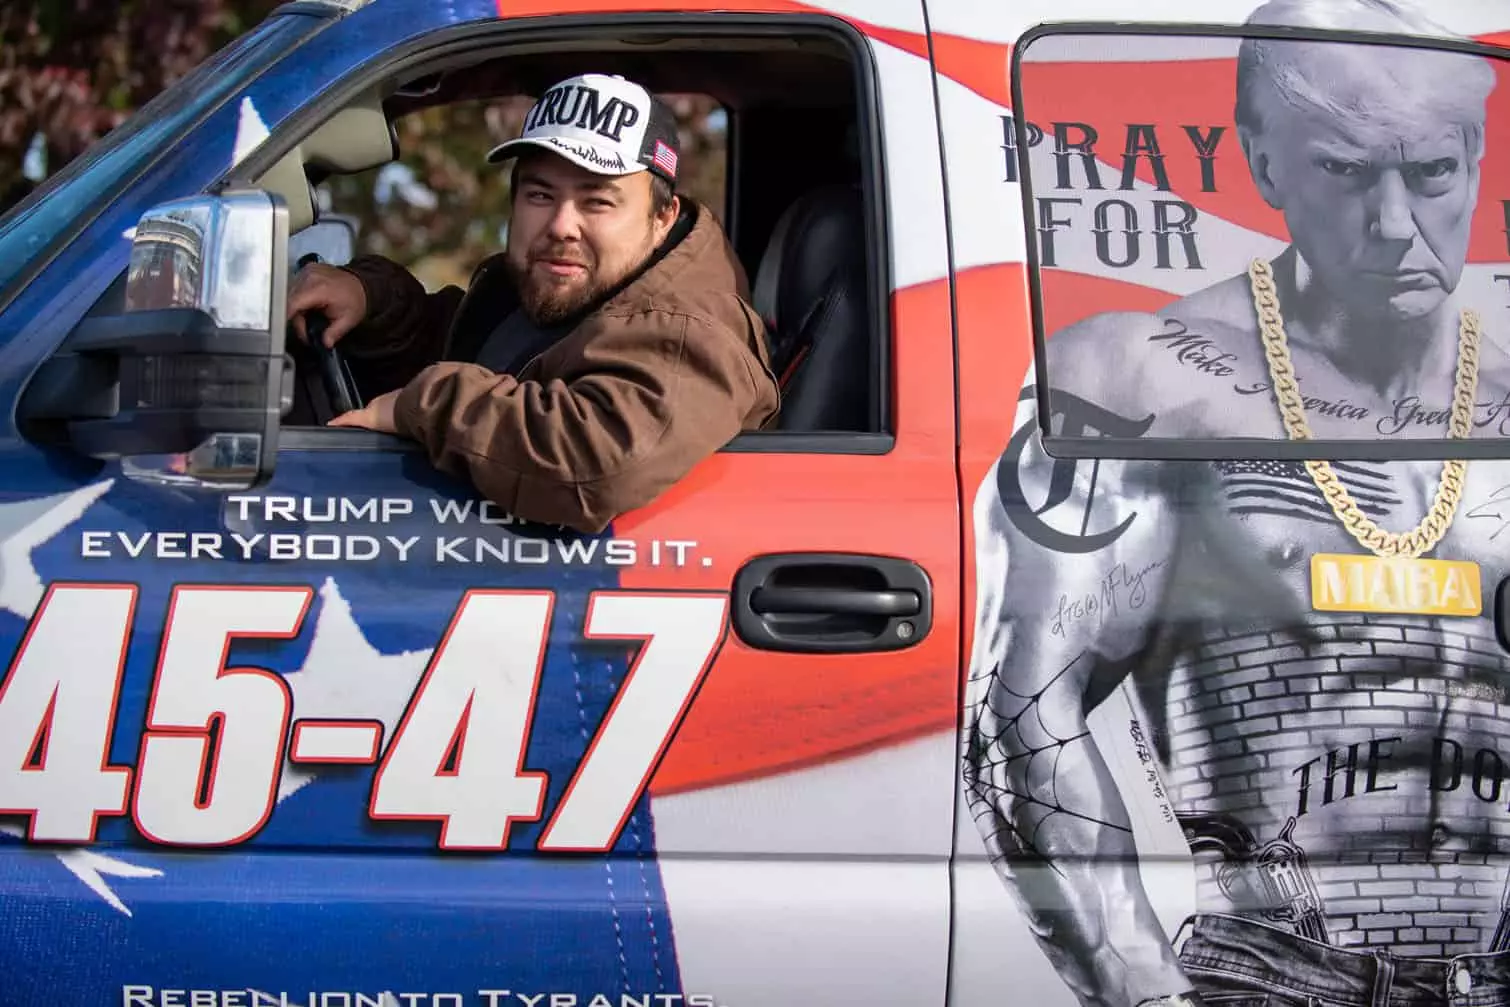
335	376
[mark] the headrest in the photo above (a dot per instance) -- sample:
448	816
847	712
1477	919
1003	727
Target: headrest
356	138
819	238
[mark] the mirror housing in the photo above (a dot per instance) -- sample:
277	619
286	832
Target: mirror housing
186	384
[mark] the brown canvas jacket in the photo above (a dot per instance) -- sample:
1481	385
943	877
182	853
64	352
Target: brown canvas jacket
659	377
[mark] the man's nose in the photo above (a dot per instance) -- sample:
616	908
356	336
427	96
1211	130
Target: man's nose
566	223
1393	218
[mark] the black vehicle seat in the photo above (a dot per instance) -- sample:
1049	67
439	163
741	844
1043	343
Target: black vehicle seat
810	290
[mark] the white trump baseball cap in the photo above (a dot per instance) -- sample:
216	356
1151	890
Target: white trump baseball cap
605	124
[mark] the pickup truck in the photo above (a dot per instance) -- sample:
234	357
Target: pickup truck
1114	616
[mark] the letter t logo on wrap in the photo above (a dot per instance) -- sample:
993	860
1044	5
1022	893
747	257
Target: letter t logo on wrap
605	124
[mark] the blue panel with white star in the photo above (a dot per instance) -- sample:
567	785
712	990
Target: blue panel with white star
322	899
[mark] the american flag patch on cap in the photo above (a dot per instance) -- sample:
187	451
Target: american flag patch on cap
664	158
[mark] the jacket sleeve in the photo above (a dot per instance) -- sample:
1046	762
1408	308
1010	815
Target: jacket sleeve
652	397
404	329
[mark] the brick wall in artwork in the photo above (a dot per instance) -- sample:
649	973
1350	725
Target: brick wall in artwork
1259	715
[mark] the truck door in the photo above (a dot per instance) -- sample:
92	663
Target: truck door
1071	509
358	737
1174	648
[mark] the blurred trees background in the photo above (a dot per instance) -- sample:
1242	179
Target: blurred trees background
441	208
71	70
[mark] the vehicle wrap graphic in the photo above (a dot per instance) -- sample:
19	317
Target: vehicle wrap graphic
1282	794
308	905
196	752
363	561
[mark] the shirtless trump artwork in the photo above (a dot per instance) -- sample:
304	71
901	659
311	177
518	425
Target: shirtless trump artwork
1312	645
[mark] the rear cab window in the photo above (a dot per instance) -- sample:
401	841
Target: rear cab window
1149	217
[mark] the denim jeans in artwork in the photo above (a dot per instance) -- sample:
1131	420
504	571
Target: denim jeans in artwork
1234	962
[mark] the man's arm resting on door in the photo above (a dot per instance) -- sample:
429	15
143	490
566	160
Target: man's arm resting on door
652	396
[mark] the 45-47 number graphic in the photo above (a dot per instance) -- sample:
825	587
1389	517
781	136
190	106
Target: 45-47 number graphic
215	737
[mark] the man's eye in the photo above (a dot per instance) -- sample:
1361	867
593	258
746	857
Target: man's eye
1342	169
1440	168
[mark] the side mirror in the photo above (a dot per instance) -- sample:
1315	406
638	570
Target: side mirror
185	385
333	238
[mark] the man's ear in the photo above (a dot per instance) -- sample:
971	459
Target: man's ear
1258	165
667	218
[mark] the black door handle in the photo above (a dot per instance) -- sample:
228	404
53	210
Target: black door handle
821	600
833	603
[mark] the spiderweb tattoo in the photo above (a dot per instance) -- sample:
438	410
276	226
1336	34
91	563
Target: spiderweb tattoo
1011	766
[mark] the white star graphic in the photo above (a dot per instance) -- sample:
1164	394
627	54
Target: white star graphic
250	131
89	867
344	677
24	526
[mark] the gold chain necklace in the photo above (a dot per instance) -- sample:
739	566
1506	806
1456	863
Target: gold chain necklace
1429	532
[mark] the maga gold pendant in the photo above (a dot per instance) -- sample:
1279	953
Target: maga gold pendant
1345	582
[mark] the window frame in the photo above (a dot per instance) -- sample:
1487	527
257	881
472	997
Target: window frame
499	35
1213	448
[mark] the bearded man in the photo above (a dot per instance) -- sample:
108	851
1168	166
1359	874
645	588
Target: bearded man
606	351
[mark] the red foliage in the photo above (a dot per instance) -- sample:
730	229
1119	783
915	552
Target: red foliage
72	70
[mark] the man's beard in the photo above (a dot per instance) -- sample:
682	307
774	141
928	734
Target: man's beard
545	302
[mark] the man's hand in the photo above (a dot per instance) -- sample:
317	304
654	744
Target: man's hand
334	293
375	415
